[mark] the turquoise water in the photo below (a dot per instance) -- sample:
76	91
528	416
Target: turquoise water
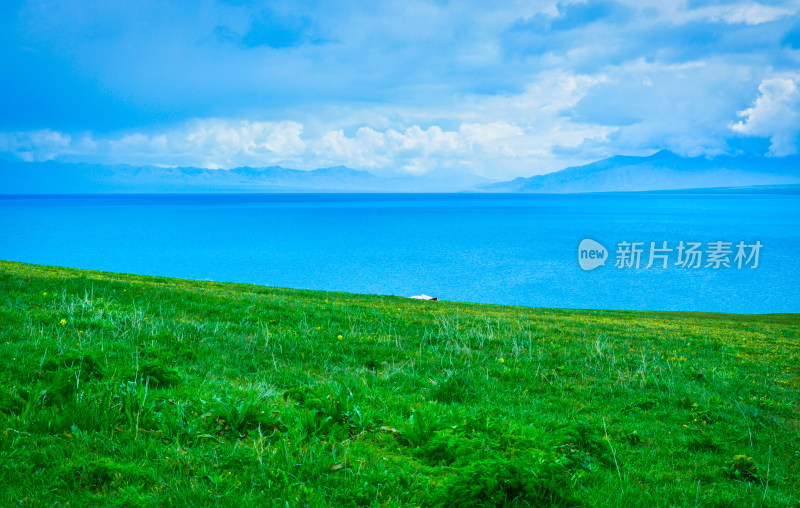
509	249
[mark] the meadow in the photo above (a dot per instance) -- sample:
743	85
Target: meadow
126	390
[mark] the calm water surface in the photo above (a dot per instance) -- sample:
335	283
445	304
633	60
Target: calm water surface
510	249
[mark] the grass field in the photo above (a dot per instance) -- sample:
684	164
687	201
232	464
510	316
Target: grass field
124	390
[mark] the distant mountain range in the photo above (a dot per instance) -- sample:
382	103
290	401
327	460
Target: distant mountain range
68	178
661	171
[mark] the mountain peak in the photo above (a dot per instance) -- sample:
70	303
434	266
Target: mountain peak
664	153
663	170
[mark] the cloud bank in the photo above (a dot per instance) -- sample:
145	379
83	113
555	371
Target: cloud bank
775	115
505	90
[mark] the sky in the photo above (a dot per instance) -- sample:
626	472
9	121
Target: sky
497	89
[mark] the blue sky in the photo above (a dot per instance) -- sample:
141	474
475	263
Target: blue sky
406	87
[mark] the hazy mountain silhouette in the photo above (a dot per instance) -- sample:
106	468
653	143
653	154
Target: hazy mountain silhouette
79	178
661	171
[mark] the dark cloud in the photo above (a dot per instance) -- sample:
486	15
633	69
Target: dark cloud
579	15
542	33
573	16
792	37
600	45
280	30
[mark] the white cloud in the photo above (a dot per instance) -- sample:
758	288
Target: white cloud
494	137
748	13
366	149
35	146
408	149
226	142
211	143
417	150
775	115
139	144
425	141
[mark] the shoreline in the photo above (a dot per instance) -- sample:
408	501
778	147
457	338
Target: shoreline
165	279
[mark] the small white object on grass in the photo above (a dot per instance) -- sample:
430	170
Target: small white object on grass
424	297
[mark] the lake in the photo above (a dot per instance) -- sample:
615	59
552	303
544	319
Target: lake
517	249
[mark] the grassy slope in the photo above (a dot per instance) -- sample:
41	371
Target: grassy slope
143	391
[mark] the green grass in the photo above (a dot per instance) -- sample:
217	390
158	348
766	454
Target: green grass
123	390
